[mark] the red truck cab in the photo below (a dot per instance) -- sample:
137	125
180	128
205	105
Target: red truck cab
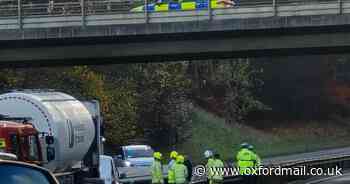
22	140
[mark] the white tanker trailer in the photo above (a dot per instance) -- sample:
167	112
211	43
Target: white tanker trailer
68	135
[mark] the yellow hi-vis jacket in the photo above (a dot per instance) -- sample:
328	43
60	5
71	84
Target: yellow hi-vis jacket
218	174
171	175
210	164
157	172
246	161
180	173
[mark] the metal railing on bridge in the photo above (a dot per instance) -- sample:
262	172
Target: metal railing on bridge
18	14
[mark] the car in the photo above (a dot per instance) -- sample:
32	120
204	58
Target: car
135	156
14	172
183	5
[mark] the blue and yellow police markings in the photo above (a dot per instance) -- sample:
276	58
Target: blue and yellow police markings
2	143
176	6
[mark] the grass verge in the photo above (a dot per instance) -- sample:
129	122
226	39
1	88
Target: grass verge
210	132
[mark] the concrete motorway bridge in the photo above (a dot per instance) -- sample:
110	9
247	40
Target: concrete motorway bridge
29	36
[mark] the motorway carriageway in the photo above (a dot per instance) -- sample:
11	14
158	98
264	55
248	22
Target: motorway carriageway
344	179
143	174
299	159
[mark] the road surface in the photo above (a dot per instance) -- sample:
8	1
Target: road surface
143	173
344	179
298	158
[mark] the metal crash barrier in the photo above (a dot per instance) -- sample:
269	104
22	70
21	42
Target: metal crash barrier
19	14
322	159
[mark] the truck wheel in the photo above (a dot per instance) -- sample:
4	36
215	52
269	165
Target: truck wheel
93	181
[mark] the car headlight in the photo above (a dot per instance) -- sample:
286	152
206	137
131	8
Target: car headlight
127	164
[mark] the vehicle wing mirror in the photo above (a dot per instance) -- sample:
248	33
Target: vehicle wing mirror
50	151
49	139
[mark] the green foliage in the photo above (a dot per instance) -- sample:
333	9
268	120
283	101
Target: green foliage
118	102
151	100
227	87
90	85
122	114
9	79
211	132
163	103
240	80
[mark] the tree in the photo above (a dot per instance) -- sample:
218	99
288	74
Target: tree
163	100
9	79
118	102
226	87
240	80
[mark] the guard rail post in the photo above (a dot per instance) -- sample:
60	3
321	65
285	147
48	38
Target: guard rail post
210	13
146	11
82	6
340	3
274	6
19	14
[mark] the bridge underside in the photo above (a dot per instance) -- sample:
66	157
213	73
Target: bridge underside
294	30
156	48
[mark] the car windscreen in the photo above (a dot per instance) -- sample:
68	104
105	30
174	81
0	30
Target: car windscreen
138	152
13	174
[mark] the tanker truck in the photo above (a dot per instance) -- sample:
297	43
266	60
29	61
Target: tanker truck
53	130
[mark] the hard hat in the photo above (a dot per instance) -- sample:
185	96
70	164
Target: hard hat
244	145
208	154
173	154
180	159
157	155
251	147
